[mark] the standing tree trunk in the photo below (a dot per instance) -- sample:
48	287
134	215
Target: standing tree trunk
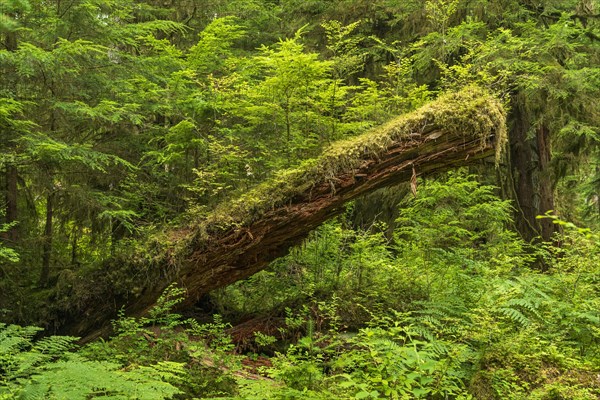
11	201
521	157
47	244
545	183
532	177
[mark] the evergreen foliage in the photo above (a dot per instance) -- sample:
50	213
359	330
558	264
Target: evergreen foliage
121	120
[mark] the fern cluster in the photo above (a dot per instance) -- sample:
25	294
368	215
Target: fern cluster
149	358
49	369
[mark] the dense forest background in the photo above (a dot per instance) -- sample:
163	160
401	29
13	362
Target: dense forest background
121	121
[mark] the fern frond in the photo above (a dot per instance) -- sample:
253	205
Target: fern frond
13	338
55	345
439	347
47	369
423	332
79	378
384	344
536	286
515	316
589	317
529	304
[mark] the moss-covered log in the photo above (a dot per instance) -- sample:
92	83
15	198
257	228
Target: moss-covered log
241	237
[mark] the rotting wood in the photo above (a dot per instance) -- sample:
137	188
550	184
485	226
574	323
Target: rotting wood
240	238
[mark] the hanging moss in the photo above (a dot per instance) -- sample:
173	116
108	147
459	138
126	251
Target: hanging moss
472	112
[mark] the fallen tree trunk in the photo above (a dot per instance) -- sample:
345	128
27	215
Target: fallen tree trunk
241	237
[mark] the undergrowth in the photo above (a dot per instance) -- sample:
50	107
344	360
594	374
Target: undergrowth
445	308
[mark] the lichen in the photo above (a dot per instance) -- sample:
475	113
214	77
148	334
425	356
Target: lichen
471	112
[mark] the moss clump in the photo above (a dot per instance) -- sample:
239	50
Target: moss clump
471	112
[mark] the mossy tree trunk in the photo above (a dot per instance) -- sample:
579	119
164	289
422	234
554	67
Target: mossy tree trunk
241	237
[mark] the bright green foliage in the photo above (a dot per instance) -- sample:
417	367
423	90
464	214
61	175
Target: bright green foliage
47	369
6	253
8	10
542	59
381	319
393	363
62	127
214	48
456	222
450	308
285	108
158	357
78	378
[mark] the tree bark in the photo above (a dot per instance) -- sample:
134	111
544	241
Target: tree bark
11	212
521	157
532	175
47	244
546	183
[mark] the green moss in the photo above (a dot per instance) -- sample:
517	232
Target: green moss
471	112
